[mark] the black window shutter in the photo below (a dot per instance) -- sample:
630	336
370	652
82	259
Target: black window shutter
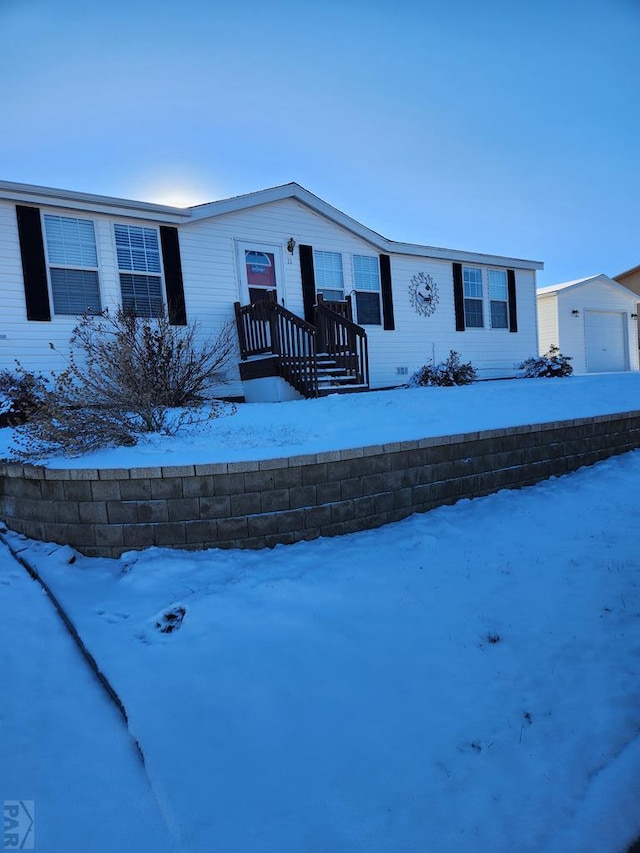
308	282
513	309
34	267
388	321
458	297
173	275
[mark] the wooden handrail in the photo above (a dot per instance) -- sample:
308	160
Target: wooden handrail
344	341
342	307
264	327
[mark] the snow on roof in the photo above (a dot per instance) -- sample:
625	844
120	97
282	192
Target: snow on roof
579	282
551	288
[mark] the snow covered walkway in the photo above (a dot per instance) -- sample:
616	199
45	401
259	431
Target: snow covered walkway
63	744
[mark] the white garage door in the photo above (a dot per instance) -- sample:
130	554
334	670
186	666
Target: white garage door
606	341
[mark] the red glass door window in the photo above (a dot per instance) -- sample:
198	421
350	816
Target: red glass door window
261	274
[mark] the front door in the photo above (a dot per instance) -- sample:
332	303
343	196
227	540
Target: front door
259	272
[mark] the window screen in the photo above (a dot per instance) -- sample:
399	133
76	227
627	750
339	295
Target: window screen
472	285
329	276
138	254
499	298
73	264
366	281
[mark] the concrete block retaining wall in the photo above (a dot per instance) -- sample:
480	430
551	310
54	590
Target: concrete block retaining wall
261	504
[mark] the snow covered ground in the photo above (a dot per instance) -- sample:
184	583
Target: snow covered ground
465	681
267	430
63	745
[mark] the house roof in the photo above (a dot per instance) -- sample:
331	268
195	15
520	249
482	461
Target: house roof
552	288
580	282
73	200
627	272
184	216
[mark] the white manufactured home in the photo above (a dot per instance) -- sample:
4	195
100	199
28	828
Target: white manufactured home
593	320
321	303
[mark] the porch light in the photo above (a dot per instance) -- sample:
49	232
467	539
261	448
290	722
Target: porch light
576	312
291	245
634	316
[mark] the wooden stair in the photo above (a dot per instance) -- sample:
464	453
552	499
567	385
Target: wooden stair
328	357
333	379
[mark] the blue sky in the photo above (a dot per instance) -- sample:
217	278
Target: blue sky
498	127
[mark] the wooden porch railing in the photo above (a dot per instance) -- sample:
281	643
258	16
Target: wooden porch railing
343	307
264	327
256	329
343	340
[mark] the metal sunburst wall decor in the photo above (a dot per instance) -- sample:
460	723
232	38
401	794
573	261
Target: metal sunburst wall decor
423	294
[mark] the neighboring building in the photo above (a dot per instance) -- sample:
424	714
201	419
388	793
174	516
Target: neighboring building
306	278
631	280
593	320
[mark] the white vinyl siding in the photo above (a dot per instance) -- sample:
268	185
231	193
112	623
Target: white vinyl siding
499	299
138	252
548	323
73	264
211	263
329	275
473	308
366	283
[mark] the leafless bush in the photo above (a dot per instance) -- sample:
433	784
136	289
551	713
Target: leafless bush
21	393
123	374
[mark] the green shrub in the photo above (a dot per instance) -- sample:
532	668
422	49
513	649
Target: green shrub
553	363
449	372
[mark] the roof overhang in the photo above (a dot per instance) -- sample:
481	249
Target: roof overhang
383	244
109	205
624	274
71	200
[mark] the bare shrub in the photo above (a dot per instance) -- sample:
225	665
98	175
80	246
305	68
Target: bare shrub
124	373
21	393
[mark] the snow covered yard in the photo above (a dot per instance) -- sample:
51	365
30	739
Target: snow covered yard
466	680
268	430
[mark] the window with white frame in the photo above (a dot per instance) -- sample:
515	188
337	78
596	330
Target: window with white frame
138	252
73	264
499	299
328	275
366	283
472	288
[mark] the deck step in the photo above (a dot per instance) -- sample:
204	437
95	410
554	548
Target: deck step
328	374
338	379
325	390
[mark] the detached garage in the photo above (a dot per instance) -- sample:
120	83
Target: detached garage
594	320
